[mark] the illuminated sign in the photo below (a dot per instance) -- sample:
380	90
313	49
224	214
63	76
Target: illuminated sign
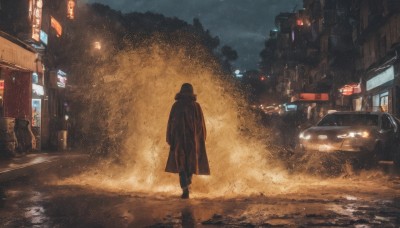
380	79
56	25
38	89
36	112
36	7
71	9
1	84
35	78
313	97
61	79
350	89
290	107
43	37
299	22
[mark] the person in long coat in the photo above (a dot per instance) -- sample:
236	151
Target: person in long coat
186	135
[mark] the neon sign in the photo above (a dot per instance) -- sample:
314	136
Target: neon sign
56	25
71	9
37	6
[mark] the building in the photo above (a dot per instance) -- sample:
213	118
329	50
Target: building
315	54
30	66
377	36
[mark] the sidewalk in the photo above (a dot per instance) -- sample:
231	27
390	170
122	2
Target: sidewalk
25	165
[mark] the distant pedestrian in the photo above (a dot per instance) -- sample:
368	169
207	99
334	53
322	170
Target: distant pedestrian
312	113
186	135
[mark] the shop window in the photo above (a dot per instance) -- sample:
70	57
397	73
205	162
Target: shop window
380	102
384	102
375	103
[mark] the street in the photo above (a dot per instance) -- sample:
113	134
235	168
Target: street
199	114
368	199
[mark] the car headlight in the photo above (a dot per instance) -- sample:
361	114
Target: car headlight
354	134
304	136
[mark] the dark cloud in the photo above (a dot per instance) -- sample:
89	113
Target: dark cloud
242	24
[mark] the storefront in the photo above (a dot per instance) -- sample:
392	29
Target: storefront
58	106
381	91
37	107
18	63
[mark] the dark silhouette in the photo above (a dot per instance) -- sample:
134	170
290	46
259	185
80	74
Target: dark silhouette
186	135
188	219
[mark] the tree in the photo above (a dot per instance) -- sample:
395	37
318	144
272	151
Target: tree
229	53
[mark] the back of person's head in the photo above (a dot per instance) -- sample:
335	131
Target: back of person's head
186	88
186	93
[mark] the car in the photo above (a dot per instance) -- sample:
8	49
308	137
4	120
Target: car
272	110
366	136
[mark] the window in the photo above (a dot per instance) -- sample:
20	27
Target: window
349	120
380	102
384	101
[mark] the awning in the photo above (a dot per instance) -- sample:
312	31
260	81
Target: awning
14	56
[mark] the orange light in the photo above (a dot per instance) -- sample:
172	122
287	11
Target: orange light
97	45
350	89
71	9
56	25
36	19
347	90
314	97
300	22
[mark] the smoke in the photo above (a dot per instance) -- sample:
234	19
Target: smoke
135	98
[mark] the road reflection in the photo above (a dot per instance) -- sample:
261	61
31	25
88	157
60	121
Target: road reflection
188	219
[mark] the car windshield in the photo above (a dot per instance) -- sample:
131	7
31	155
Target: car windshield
349	120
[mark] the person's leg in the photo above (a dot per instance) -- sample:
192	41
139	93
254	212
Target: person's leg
184	182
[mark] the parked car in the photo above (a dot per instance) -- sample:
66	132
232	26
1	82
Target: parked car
366	136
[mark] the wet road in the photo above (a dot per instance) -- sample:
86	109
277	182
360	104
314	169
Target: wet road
351	201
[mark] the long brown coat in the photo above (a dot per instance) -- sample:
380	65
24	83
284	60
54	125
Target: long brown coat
186	135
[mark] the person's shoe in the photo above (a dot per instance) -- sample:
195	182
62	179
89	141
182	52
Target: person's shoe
185	194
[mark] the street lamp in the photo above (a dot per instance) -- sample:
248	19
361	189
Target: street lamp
97	45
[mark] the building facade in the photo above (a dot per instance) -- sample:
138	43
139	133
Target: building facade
30	68
377	35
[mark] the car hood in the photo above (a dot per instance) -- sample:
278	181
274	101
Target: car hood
336	129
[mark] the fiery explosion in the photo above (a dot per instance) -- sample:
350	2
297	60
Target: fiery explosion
139	95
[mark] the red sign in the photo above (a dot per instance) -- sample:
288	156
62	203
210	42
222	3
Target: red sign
56	25
313	97
350	89
299	22
1	84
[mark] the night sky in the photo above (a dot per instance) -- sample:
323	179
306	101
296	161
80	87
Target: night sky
242	24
